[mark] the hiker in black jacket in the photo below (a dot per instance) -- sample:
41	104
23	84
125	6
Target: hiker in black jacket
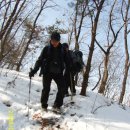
76	66
52	61
69	74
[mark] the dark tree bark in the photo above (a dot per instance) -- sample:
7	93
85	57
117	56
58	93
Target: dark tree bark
91	49
5	28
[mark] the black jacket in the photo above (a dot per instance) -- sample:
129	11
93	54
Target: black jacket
47	56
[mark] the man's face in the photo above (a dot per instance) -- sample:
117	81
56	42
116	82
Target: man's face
54	43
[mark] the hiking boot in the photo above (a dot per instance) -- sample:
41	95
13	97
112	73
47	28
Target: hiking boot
56	109
44	109
66	95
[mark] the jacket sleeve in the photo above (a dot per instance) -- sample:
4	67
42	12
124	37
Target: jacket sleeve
38	63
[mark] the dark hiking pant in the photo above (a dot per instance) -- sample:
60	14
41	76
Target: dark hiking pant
69	82
58	78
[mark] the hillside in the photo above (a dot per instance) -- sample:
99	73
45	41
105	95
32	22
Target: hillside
93	112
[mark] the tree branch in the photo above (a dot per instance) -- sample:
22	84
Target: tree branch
128	31
9	20
5	15
122	10
115	38
110	19
13	22
96	4
81	21
5	3
100	46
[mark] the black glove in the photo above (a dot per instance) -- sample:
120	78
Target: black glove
31	73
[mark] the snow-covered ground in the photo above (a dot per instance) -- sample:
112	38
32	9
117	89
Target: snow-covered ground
93	112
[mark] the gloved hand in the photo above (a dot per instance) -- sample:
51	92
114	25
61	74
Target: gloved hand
31	73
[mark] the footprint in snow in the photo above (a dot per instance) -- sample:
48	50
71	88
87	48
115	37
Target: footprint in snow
7	103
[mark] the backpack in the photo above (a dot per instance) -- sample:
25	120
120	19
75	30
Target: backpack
77	60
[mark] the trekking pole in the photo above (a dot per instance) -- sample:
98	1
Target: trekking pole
71	87
29	94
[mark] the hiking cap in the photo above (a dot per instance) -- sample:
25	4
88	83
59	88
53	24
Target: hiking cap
55	36
65	45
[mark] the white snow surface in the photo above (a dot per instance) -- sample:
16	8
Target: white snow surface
93	112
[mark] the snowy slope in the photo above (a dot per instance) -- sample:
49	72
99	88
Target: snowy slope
93	112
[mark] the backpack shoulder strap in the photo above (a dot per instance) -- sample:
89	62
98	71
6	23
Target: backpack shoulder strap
48	50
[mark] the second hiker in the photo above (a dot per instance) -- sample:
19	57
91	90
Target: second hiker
76	65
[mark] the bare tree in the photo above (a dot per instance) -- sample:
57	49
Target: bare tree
14	49
4	29
77	24
13	22
126	19
77	21
6	25
99	6
43	2
110	44
80	14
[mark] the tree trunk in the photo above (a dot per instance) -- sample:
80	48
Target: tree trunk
124	83
76	48
88	66
105	75
127	64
